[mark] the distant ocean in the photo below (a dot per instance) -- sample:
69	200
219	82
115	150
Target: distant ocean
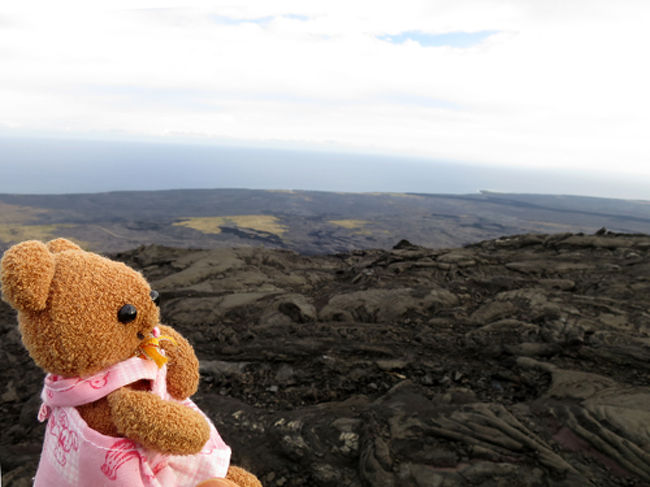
42	166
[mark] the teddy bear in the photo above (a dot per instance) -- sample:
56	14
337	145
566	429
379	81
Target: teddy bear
116	393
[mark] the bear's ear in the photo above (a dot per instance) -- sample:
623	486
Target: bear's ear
60	244
26	271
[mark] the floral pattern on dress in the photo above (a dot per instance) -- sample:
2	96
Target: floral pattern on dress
67	440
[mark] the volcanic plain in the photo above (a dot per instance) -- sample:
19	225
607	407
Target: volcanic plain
522	360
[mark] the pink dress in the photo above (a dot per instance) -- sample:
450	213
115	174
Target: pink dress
75	455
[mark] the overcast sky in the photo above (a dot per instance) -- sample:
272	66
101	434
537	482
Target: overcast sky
524	83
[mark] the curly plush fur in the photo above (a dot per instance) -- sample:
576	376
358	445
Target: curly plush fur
67	301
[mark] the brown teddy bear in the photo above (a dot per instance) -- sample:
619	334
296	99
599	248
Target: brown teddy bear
116	395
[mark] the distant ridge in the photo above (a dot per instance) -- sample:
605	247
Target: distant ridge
309	222
555	203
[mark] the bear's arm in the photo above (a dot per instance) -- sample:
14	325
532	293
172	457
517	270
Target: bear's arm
164	426
183	366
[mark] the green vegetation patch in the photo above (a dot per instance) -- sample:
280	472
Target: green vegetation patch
13	233
213	224
19	214
350	224
546	226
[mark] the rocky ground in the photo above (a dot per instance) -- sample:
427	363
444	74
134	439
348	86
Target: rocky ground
522	361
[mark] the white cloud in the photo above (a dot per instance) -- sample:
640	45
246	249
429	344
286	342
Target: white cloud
562	84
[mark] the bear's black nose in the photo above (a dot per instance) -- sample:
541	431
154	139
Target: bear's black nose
155	297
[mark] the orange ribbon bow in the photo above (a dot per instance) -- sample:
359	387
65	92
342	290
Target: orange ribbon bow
149	349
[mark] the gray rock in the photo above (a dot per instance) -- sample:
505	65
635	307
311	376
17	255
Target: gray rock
521	361
297	307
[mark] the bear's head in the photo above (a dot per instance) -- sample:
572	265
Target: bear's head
78	312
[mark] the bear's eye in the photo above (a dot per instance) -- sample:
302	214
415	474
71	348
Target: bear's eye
155	297
127	313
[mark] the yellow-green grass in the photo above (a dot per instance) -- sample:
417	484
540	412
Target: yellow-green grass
213	224
13	233
350	224
19	214
553	227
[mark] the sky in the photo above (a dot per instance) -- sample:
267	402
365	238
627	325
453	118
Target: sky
540	85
